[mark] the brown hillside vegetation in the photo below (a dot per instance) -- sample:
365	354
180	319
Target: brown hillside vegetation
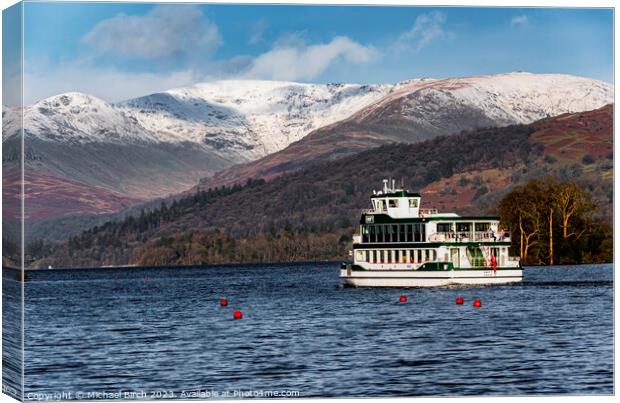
310	214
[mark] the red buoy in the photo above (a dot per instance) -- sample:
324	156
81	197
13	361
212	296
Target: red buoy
477	303
459	301
237	315
224	302
403	298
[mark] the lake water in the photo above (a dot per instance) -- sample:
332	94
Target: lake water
93	334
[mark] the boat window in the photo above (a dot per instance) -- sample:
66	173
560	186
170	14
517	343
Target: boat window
393	203
463	226
418	232
444	227
402	235
379	233
372	236
381	256
394	233
482	226
383	205
397	257
409	232
413	203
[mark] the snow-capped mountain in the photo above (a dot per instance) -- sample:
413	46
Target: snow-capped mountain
420	109
162	143
250	118
237	120
77	118
166	142
504	98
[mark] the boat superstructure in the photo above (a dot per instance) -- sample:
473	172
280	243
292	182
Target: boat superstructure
399	244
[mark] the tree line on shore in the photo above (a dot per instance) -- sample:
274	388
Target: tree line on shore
553	222
311	214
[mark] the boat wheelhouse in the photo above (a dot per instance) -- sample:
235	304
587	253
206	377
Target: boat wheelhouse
399	244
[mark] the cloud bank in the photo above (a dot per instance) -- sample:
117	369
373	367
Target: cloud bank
300	62
164	32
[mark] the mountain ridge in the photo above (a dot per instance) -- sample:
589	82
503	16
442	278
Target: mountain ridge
165	143
420	109
310	214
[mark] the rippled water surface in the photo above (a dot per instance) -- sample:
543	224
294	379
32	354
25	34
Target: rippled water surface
145	329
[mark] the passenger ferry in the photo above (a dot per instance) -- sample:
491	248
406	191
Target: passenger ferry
398	244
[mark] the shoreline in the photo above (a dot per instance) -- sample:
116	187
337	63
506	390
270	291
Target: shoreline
208	266
212	266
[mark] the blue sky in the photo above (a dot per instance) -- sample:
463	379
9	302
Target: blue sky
119	50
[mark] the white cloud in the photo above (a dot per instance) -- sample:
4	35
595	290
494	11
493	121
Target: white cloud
109	84
160	36
291	61
426	29
164	32
518	20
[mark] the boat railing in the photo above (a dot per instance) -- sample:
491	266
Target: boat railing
467	236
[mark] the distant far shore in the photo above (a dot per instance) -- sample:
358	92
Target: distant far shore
211	265
322	263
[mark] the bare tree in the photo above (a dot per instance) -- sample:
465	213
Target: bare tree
572	204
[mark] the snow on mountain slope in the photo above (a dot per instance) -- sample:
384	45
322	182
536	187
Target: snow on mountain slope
242	120
420	109
509	98
76	118
237	120
253	117
164	143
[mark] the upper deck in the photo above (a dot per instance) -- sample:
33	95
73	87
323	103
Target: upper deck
395	216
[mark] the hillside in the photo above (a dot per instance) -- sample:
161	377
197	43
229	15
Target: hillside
87	159
421	109
99	157
310	214
578	145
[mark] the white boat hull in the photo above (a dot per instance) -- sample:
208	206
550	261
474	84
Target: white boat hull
418	278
